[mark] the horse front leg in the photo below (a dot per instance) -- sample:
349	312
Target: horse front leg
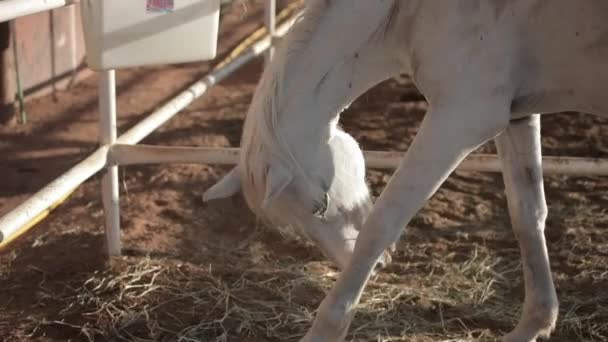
519	149
449	132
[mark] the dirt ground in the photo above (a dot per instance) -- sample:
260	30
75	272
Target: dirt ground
211	272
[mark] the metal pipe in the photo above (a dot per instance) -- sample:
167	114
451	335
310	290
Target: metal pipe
11	9
149	154
109	183
575	166
270	12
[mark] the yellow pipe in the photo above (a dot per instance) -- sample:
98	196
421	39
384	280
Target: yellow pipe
34	221
259	34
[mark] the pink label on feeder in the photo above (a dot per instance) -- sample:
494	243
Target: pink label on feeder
160	6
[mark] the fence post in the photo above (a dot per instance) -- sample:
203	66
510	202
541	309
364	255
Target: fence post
270	12
109	182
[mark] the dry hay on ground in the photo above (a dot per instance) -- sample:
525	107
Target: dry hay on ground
196	272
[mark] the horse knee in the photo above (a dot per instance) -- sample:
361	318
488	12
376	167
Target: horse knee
528	217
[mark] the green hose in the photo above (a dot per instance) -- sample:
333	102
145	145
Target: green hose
19	94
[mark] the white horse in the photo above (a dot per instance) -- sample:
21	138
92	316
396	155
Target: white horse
487	67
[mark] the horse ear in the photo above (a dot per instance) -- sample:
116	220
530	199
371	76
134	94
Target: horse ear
226	187
278	178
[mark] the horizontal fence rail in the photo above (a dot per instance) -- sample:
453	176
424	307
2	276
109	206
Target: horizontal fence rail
149	154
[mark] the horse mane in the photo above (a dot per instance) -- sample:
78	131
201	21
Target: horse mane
262	133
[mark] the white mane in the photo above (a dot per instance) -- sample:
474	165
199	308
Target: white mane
263	138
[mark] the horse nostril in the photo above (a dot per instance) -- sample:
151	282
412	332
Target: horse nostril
380	265
385	259
320	208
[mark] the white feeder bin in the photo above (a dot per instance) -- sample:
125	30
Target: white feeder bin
127	33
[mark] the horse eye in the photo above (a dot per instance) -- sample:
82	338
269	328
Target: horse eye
320	208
